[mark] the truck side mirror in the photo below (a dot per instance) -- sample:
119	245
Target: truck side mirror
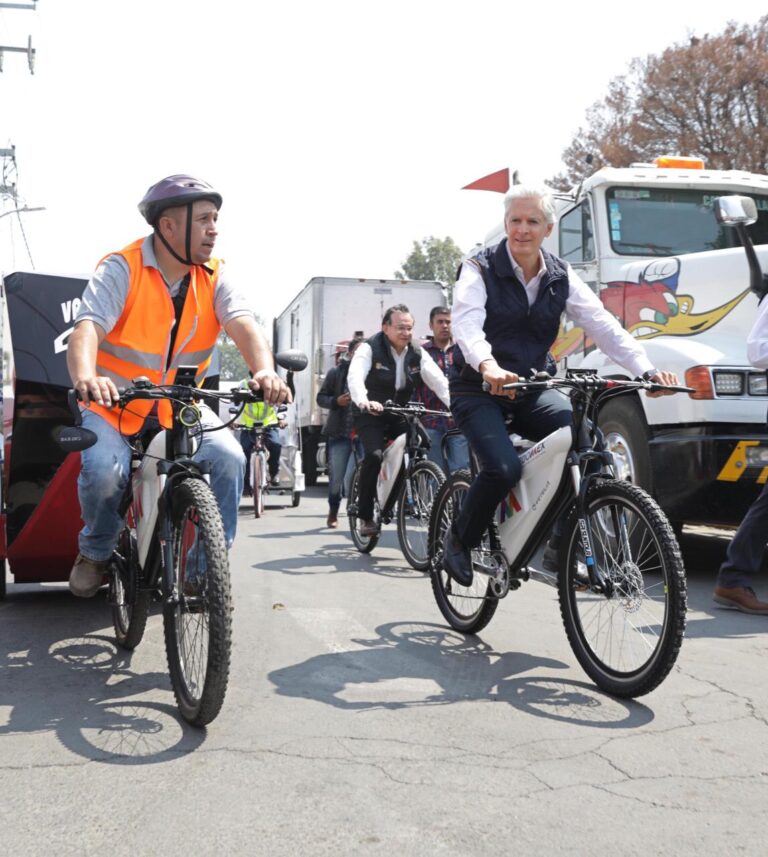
739	212
735	210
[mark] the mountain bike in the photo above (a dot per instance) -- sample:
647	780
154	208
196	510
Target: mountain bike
406	488
621	582
173	547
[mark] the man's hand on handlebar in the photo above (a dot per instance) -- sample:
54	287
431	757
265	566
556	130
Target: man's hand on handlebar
371	407
667	379
275	390
99	389
495	377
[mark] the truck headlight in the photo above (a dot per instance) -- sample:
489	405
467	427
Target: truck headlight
758	384
757	456
729	383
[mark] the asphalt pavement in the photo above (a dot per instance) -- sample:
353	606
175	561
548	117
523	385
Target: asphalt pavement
356	722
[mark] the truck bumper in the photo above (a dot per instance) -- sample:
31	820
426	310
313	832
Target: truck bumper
704	474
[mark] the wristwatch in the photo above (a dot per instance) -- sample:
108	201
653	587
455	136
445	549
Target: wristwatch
646	376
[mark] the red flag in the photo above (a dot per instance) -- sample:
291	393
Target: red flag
498	182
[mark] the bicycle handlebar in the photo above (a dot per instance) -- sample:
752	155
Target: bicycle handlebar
591	382
146	390
415	409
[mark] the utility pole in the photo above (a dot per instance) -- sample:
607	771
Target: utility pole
29	50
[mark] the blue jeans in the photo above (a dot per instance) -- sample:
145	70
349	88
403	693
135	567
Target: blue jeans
481	418
341	465
457	450
271	441
105	468
745	552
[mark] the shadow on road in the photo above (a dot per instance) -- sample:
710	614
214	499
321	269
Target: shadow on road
61	672
419	664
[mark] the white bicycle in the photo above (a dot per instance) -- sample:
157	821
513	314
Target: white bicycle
621	582
406	489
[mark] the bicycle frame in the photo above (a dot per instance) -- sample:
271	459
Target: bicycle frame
398	459
556	475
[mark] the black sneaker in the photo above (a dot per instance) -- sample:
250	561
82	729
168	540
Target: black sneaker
457	559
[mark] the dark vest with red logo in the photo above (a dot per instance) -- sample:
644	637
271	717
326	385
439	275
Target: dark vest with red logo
380	381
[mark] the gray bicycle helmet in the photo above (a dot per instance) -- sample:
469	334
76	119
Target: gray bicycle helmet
171	192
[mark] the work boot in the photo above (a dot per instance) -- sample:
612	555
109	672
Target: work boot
741	598
457	559
86	577
274	481
368	528
333	520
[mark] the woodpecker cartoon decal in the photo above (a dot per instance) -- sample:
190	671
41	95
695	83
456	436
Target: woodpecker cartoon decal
648	308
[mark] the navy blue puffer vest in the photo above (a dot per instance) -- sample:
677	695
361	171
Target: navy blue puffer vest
520	335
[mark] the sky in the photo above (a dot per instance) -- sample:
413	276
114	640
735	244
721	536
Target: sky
338	131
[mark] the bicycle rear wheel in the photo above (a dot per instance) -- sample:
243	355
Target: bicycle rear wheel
257	483
627	639
413	508
198	626
365	544
466	608
130	604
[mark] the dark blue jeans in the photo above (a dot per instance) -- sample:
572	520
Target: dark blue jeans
745	552
481	418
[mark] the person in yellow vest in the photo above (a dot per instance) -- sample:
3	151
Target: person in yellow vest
153	306
266	416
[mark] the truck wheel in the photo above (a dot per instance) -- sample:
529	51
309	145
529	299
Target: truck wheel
626	434
309	459
2	579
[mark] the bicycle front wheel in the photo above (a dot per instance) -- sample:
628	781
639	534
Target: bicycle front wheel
130	603
365	544
413	508
257	484
466	608
198	623
626	639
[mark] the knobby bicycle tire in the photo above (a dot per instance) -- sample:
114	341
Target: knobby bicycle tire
198	627
626	642
130	603
365	544
467	609
413	514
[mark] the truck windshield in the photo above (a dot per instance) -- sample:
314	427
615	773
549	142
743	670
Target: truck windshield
670	222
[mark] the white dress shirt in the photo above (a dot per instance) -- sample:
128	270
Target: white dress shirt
582	307
360	366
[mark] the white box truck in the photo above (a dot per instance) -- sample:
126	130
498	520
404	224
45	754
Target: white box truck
322	319
645	238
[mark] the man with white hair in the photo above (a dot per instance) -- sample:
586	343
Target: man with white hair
507	306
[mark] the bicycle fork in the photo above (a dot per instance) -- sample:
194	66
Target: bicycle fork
599	578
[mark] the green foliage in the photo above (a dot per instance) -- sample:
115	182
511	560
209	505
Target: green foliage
433	259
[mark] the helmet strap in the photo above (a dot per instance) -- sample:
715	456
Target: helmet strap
188	240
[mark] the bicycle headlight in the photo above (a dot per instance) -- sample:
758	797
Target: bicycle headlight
189	416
